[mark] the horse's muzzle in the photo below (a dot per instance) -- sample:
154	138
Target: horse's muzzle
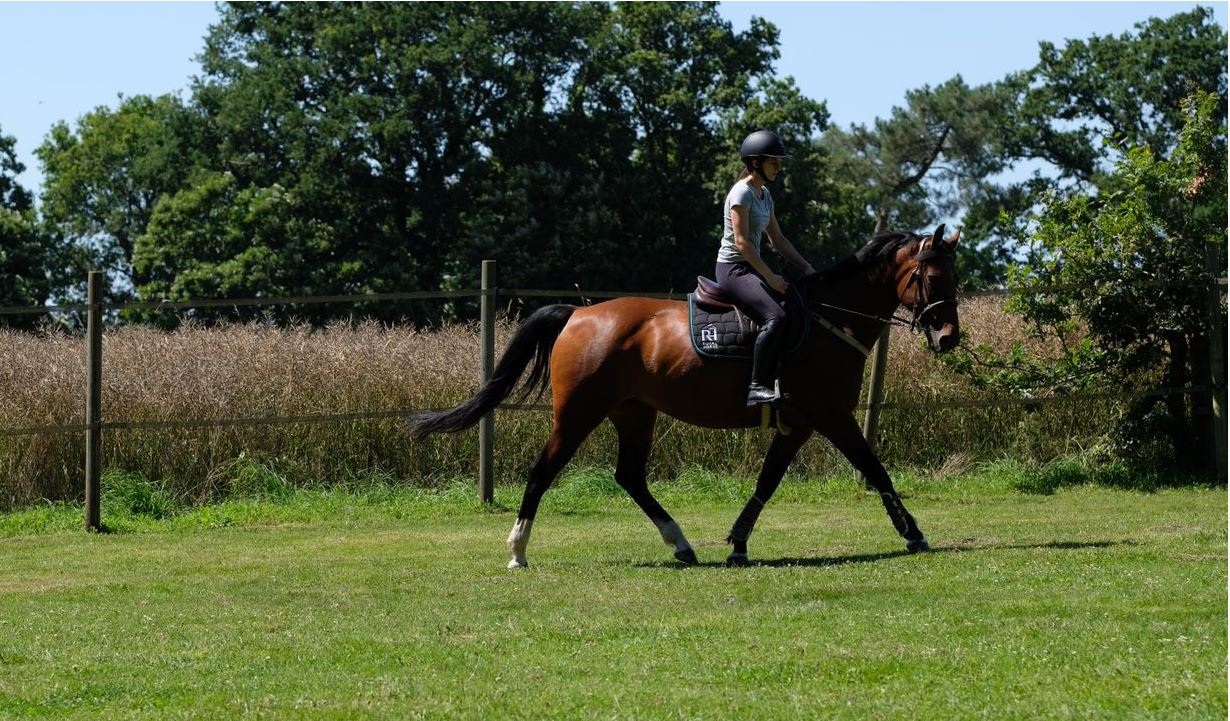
942	340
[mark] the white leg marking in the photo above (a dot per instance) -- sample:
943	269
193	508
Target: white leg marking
517	542
672	535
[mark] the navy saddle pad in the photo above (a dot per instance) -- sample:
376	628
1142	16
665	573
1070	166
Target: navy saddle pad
719	330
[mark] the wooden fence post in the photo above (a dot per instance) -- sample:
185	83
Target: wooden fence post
879	362
93	404
486	425
1217	361
875	392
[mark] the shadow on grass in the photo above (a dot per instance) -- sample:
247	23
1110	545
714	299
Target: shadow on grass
824	562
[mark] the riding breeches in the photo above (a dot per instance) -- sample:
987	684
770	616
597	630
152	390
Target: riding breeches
751	294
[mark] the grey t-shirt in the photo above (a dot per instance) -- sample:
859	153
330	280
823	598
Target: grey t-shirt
759	211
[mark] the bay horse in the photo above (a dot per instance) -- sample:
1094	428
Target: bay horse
629	359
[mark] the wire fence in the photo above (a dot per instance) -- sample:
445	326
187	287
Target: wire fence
512	293
94	424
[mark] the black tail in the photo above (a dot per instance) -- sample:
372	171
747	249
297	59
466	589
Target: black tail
533	340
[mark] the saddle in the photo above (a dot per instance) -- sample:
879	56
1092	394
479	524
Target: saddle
720	330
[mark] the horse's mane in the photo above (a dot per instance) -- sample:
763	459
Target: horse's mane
879	247
883	246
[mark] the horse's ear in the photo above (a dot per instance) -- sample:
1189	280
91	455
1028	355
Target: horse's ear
952	242
929	243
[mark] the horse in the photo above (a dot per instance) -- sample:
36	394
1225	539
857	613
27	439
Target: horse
629	359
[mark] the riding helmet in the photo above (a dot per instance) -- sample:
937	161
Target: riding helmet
762	144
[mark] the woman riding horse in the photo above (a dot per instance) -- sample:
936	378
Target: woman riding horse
741	272
629	359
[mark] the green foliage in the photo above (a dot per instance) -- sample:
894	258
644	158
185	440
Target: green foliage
357	148
24	255
104	177
619	186
248	477
1130	267
352	148
1090	469
131	494
1128	88
927	161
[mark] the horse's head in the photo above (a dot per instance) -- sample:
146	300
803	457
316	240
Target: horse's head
927	285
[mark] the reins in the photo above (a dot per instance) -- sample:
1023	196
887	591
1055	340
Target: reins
920	309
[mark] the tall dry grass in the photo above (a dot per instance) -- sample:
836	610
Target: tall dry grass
237	371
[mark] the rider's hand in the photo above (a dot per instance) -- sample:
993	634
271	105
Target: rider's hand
777	283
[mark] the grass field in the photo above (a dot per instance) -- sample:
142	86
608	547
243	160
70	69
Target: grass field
394	603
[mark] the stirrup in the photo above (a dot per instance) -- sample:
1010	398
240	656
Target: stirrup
781	397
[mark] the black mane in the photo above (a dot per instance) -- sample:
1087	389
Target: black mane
883	246
878	248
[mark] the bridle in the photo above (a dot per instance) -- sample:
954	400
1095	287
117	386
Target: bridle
922	304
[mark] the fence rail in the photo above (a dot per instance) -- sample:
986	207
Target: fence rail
478	293
487	294
155	424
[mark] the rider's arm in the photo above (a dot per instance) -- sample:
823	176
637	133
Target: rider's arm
783	246
740	223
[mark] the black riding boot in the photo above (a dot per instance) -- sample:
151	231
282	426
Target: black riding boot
765	357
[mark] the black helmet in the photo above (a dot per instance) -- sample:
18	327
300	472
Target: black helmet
762	144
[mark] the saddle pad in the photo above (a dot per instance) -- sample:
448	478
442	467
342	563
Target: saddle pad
720	335
731	334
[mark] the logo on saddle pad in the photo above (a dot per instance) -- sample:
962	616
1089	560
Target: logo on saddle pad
709	337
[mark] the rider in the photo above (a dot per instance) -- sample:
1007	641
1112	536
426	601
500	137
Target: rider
742	272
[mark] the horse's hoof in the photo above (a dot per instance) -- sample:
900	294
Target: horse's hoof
687	556
919	546
737	560
515	564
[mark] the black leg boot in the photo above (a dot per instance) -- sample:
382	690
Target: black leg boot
764	363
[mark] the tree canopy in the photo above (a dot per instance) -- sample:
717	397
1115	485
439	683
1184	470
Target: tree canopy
24	256
332	148
1131	301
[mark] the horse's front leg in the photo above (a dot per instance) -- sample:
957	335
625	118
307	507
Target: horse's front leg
848	439
781	452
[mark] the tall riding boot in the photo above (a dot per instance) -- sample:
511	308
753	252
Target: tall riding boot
765	356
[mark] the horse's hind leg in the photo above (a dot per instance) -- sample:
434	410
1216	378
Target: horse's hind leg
568	431
634	423
781	452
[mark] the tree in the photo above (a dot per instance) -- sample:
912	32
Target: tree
103	178
619	193
1128	88
24	256
926	161
1130	308
380	124
1082	105
351	148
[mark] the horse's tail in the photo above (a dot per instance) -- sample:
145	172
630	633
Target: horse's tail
532	341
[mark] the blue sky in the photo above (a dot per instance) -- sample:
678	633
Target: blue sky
861	57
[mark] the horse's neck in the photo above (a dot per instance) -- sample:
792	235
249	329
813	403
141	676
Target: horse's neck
873	292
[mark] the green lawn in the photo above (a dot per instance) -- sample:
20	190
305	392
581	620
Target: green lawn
1088	603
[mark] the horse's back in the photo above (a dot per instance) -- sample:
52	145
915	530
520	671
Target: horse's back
619	331
640	349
